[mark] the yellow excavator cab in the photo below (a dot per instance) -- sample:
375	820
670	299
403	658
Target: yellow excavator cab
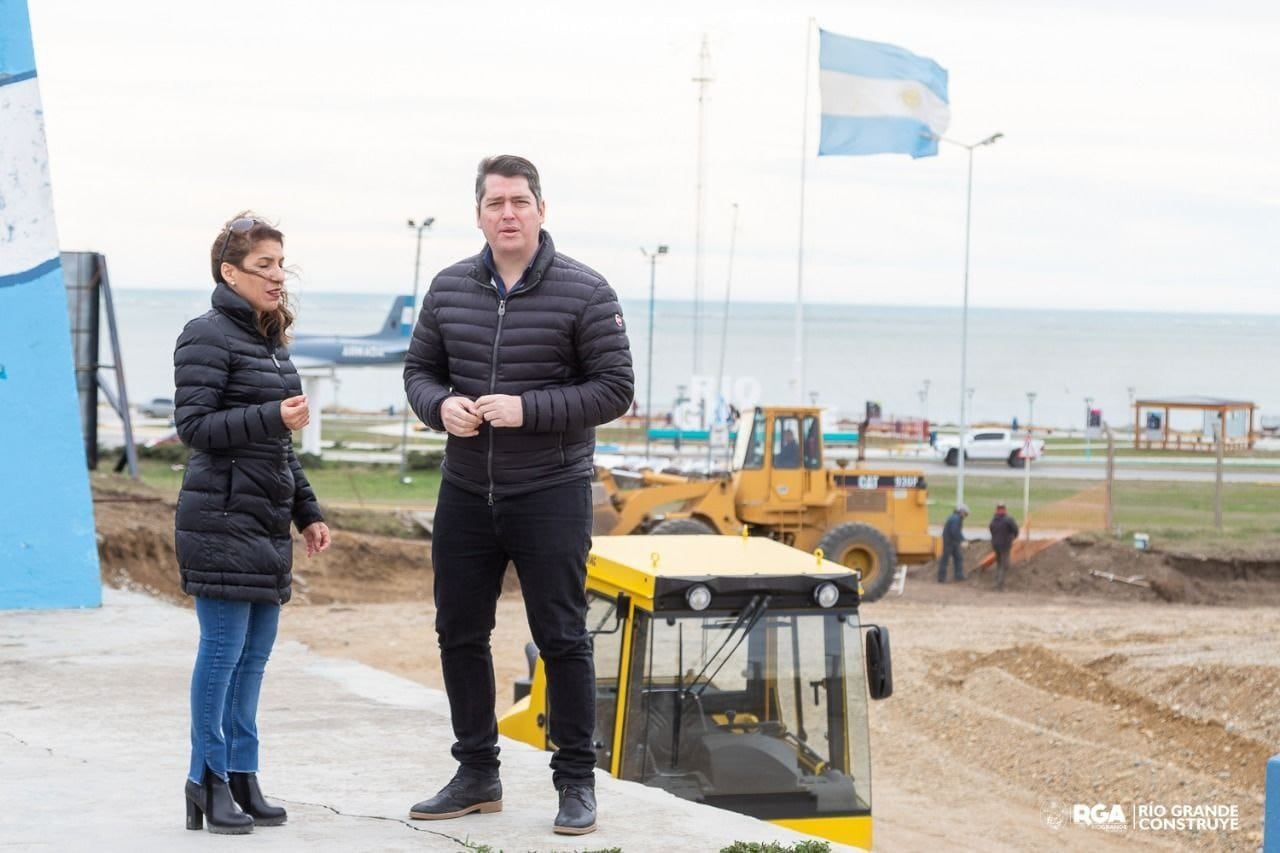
732	671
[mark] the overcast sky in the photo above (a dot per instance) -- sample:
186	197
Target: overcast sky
1140	167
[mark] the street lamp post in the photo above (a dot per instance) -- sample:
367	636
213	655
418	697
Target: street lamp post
1088	413
964	315
923	394
648	394
423	225
1132	392
1026	467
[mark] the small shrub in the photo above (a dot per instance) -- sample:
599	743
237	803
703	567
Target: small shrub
776	847
312	461
175	453
425	460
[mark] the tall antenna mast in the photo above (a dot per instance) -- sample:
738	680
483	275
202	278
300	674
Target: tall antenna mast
703	80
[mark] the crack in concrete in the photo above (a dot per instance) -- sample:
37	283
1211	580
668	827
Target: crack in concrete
459	841
32	746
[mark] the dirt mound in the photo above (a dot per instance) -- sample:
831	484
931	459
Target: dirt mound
135	549
1197	742
1087	567
1093	729
133	553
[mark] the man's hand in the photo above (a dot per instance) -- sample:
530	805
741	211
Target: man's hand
317	536
501	410
460	417
295	413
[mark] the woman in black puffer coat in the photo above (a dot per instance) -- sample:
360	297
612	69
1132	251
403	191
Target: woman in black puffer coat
238	401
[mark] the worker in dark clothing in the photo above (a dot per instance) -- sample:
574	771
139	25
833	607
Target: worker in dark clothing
952	540
1004	532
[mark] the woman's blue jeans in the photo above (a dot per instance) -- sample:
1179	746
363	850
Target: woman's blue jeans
235	641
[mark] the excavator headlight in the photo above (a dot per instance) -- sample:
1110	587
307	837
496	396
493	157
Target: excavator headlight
826	594
698	597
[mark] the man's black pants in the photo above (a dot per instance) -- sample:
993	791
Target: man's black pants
547	534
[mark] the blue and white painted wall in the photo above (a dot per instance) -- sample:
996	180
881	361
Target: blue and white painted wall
48	549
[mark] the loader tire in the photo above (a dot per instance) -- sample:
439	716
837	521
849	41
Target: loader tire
865	549
682	526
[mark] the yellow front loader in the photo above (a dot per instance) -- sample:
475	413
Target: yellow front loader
780	487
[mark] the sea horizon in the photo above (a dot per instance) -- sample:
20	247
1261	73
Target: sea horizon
854	353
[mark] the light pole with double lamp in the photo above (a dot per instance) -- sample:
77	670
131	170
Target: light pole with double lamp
964	314
648	393
420	226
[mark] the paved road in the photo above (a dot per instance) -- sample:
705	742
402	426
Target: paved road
89	692
1181	469
1188	473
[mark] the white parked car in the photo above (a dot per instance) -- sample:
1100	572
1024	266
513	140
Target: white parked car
158	407
988	444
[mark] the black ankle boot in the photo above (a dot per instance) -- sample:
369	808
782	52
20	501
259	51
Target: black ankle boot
247	794
212	799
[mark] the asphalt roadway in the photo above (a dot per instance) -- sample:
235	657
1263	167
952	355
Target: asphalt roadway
1165	470
94	748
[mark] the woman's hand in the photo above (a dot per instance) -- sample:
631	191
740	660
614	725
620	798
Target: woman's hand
317	536
295	413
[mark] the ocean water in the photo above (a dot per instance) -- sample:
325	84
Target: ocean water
852	354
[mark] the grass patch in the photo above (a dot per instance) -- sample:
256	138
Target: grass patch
981	494
1179	511
363	485
477	847
777	847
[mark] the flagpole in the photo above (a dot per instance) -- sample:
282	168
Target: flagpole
798	369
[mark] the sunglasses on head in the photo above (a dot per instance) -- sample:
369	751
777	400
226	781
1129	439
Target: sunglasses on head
236	226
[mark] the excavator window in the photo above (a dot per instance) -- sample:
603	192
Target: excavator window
812	443
754	456
601	614
786	443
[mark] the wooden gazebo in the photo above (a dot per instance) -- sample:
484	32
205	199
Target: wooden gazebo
1200	404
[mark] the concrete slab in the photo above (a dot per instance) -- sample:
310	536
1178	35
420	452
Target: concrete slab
94	749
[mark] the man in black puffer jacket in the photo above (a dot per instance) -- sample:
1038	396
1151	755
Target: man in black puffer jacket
519	354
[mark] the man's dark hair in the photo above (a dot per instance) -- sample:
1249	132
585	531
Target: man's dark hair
508	166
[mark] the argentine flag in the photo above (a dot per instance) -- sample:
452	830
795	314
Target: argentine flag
879	99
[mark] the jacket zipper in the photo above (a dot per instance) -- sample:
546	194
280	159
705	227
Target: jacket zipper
493	365
493	381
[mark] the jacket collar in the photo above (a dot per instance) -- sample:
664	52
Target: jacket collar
537	269
236	307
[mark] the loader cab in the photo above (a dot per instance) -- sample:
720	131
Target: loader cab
730	671
778	459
